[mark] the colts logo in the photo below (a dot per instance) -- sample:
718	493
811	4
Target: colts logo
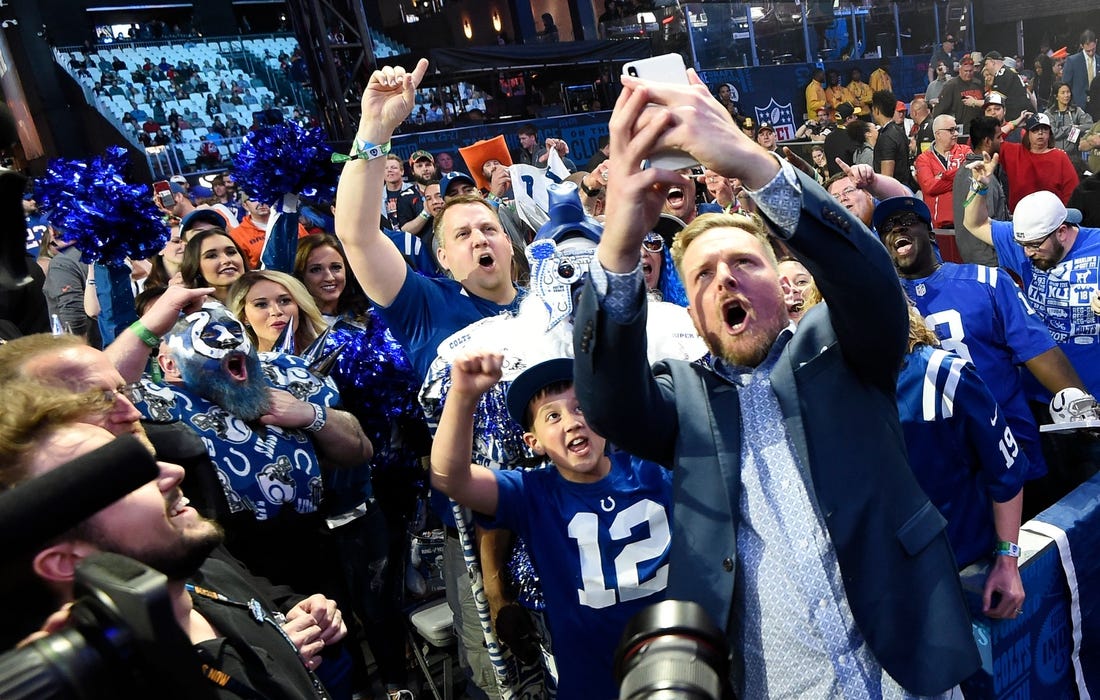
779	116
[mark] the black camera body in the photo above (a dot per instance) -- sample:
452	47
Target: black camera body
122	642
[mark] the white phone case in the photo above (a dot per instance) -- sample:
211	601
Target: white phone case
667	68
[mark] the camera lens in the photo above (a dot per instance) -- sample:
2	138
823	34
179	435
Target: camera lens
672	650
58	667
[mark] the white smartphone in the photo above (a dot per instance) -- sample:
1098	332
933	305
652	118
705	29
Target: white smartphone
667	68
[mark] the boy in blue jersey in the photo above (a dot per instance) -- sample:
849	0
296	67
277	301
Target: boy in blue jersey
598	526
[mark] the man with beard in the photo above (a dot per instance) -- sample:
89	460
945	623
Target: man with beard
978	314
215	602
793	518
1057	260
422	165
268	428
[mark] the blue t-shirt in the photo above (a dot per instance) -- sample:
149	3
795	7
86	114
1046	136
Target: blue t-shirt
960	448
1061	296
414	251
980	314
36	229
426	311
261	470
601	552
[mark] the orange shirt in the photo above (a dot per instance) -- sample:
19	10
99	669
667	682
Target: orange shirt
250	240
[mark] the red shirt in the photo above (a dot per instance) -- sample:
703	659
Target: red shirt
1031	172
936	179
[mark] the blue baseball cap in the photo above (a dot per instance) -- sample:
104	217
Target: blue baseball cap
531	381
888	207
452	177
206	215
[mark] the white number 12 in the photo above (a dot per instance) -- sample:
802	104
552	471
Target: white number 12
584	528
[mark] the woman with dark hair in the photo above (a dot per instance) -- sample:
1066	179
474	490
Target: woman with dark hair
1044	80
212	259
377	503
1067	121
863	135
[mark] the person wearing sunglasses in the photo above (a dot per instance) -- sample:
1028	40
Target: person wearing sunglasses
661	280
978	314
936	169
1058	261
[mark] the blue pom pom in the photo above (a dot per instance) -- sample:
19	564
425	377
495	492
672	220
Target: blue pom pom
93	206
284	159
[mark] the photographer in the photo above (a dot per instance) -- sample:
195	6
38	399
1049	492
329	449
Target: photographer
815	130
250	644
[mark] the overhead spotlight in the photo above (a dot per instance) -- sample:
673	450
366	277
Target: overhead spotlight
466	28
496	20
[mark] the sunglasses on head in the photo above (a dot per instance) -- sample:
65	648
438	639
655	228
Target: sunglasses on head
653	242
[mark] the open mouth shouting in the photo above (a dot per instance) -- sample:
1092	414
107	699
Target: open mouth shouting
735	315
486	261
675	197
578	446
902	245
235	366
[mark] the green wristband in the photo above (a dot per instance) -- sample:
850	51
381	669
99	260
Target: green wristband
1007	549
147	336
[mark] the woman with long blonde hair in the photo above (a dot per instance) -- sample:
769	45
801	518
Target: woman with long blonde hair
266	301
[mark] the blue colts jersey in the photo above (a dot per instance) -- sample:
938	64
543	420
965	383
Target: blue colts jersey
601	552
980	314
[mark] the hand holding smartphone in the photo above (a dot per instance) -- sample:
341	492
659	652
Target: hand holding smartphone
668	68
162	191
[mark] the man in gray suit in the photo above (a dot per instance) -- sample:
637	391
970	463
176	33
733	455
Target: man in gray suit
1080	69
800	527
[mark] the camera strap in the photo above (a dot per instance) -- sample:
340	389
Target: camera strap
261	616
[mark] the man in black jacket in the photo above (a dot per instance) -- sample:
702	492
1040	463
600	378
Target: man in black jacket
253	640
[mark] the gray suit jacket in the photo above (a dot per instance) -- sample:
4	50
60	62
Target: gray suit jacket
835	382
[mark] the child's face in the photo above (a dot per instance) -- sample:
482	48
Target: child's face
560	432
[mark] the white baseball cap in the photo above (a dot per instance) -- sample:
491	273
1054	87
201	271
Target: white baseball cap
1038	214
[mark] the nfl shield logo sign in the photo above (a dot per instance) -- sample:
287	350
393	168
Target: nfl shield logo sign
779	116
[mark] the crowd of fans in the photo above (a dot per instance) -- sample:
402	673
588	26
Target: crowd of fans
440	293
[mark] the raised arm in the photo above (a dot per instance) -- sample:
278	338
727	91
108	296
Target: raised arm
387	100
864	177
471	485
976	213
130	350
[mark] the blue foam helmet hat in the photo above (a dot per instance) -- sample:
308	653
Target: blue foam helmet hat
567	216
562	251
